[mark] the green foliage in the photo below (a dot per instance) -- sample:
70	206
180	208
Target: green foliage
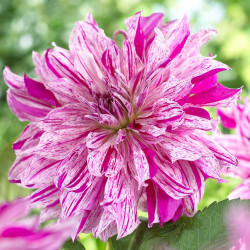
91	243
70	245
10	128
206	230
217	191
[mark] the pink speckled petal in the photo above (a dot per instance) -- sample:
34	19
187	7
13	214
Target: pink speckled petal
216	96
242	191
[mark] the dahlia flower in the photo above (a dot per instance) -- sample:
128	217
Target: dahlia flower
22	233
238	118
238	225
116	129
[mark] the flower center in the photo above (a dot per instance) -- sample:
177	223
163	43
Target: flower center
113	104
105	103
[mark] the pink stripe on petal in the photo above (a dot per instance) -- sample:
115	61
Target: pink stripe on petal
26	108
216	96
12	80
205	84
176	45
152	204
38	90
167	206
242	191
227	120
139	40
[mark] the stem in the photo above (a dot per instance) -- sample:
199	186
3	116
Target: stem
109	245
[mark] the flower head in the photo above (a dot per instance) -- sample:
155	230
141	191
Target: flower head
22	233
238	118
115	129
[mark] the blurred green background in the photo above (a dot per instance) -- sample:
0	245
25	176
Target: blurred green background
27	25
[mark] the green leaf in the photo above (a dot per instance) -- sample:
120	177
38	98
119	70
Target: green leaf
206	230
120	244
70	245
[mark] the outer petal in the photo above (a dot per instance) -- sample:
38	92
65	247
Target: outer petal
26	101
72	173
24	148
204	84
129	221
25	107
45	197
106	227
58	146
152	204
169	179
225	158
118	187
197	68
195	179
73	203
216	96
177	40
233	143
50	213
169	208
39	172
161	51
161	207
87	220
209	166
13	211
43	67
103	158
182	147
176	89
68	117
66	129
65	90
111	60
227	118
122	210
148	24
19	166
38	90
242	191
62	62
141	30
197	118
194	43
86	35
136	34
23	234
12	80
131	65
57	63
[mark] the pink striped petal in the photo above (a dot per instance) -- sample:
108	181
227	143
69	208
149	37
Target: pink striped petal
38	90
216	96
12	80
25	107
227	118
242	191
73	203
